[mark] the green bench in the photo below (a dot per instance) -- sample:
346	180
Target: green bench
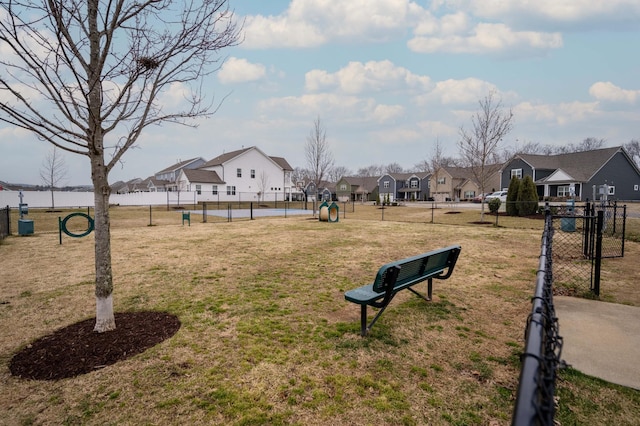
400	275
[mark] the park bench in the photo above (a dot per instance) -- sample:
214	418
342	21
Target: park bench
400	275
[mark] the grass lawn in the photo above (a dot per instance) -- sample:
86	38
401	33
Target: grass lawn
267	337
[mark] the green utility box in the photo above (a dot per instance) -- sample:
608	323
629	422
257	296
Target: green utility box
25	227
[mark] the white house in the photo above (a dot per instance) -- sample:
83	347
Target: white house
244	175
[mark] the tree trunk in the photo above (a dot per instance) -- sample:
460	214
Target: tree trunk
105	319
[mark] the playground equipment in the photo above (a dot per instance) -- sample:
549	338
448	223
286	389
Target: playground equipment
62	226
329	212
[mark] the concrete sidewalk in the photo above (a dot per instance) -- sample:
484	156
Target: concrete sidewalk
600	339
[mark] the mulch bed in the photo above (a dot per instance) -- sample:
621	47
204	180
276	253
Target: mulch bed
77	349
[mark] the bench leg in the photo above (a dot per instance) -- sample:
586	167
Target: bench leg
429	291
363	320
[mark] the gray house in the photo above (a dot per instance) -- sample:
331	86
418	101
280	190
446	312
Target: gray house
325	191
404	186
579	174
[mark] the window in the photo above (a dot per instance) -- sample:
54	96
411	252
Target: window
231	190
239	172
635	187
343	187
199	189
253	173
441	180
563	191
385	184
414	184
612	190
469	194
517	173
214	189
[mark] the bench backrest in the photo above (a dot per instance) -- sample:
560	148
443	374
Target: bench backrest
434	264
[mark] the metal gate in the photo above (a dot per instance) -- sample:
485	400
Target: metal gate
583	236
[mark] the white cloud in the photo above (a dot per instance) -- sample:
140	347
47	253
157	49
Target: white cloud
557	10
557	13
175	95
310	23
313	104
486	38
437	128
563	114
384	113
358	77
607	91
235	70
457	92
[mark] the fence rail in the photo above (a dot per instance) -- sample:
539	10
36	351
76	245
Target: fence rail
535	404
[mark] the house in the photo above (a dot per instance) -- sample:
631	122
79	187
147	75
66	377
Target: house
126	187
325	191
449	183
579	174
404	186
151	184
204	182
356	188
170	174
247	174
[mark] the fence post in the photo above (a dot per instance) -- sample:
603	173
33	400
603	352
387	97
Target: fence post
150	223
599	226
204	212
588	217
624	227
251	209
432	209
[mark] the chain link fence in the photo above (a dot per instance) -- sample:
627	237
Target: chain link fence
584	236
573	263
535	402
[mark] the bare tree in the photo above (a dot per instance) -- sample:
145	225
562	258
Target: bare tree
435	163
588	144
373	170
422	166
479	147
263	182
299	175
89	77
318	155
336	173
393	168
633	149
53	171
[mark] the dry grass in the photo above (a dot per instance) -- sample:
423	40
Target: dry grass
267	337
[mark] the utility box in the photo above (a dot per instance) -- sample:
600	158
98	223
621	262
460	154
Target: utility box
568	224
25	227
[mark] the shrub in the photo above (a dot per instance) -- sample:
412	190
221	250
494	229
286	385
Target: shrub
527	197
494	205
512	196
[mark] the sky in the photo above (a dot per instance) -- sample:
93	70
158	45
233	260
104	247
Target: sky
389	78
